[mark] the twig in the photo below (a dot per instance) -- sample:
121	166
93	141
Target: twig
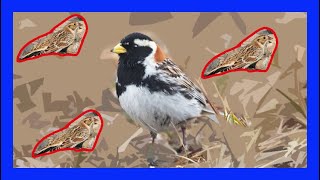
183	157
295	105
279	137
298	93
234	159
181	141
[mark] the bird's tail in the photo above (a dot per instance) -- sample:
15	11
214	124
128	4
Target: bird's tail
46	149
211	114
30	54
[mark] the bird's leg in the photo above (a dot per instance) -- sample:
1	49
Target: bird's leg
150	152
183	129
184	146
153	135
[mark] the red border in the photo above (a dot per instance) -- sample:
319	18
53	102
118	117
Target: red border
238	45
65	127
51	31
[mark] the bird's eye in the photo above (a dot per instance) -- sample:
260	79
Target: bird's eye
135	45
126	43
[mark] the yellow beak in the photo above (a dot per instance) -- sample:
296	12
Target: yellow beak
119	49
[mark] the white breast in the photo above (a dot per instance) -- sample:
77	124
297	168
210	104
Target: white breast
142	105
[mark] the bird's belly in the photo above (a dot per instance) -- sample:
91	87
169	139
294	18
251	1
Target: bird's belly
157	111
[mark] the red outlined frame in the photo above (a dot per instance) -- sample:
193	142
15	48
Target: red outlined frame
237	46
51	31
65	127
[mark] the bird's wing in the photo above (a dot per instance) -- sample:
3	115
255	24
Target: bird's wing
254	55
223	63
182	83
186	87
60	41
243	58
250	58
77	136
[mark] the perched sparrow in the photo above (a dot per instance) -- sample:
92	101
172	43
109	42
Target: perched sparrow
72	137
152	89
245	57
57	42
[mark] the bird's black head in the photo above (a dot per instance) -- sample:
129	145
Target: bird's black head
133	36
134	48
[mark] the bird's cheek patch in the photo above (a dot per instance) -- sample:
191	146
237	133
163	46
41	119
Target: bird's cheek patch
250	55
65	138
51	43
159	56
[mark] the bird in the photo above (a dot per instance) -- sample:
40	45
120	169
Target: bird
154	91
246	57
57	42
73	137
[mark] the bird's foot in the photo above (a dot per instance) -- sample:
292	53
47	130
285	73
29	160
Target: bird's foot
153	163
151	157
184	149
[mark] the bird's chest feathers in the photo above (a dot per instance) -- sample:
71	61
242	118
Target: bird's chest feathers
156	109
133	73
130	74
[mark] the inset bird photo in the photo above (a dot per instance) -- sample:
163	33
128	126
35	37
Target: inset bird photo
80	134
253	54
142	72
65	39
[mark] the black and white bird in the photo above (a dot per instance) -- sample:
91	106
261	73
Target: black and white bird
152	89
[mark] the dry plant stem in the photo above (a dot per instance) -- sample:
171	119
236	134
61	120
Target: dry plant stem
78	161
254	139
298	92
234	159
202	127
280	126
209	148
281	136
263	98
201	86
270	163
301	107
186	158
181	141
205	95
295	105
124	145
224	103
